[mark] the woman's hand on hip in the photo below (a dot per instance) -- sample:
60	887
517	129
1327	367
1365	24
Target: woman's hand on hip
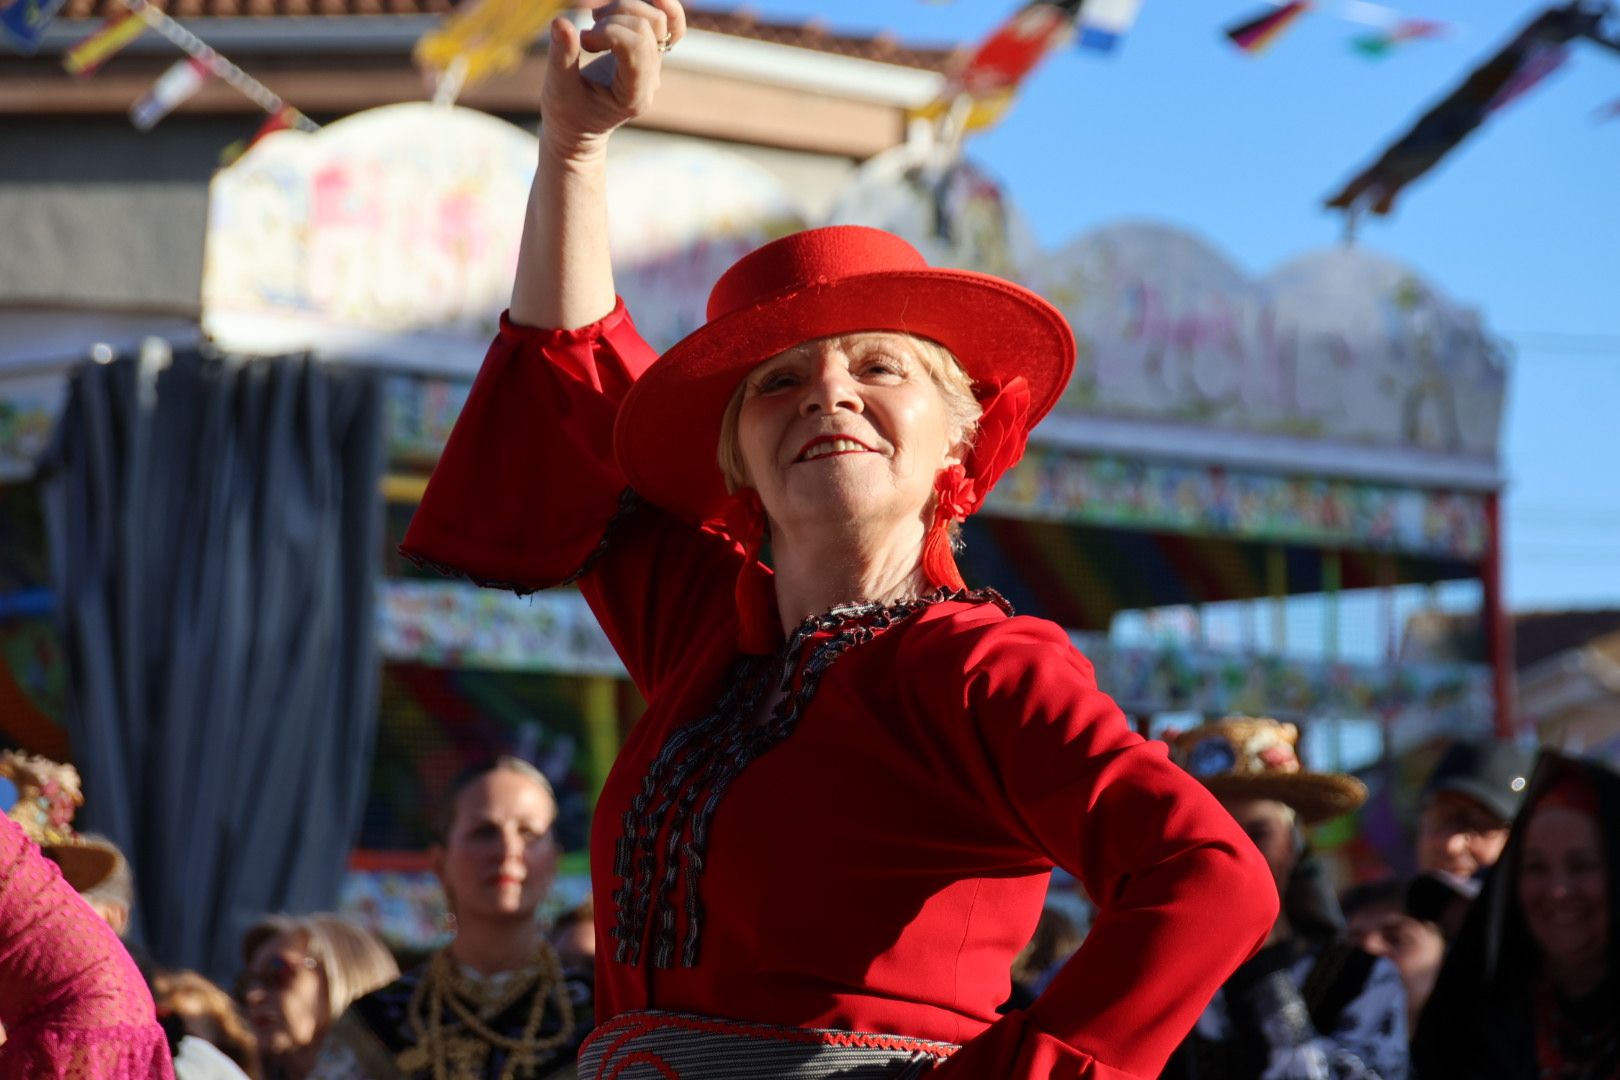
586	98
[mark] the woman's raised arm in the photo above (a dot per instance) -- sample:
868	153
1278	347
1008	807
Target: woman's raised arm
564	277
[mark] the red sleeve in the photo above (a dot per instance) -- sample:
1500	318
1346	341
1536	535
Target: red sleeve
527	495
72	1002
527	485
1183	896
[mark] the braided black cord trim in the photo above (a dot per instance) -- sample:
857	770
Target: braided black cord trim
706	756
629	502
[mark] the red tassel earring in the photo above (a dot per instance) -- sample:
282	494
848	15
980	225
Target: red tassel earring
997	448
759	627
954	499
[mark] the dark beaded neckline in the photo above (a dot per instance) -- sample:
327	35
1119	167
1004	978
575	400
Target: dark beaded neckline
684	784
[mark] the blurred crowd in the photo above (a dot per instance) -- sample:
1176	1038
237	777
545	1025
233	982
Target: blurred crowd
1496	958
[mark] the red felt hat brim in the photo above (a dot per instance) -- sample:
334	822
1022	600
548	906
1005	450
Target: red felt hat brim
668	429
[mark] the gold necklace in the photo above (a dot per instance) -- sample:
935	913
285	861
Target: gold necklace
467	1048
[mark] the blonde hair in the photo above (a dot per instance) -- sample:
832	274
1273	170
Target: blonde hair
353	959
207	1012
949	375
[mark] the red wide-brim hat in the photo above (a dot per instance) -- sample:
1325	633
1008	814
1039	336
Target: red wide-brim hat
842	279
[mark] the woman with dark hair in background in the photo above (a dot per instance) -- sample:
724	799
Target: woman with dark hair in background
495	1003
1528	990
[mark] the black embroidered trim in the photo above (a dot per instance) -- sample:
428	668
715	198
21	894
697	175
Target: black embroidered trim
629	502
700	760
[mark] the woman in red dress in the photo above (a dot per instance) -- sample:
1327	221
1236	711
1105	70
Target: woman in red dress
821	848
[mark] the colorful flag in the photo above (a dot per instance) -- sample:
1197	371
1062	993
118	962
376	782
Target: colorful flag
1017	47
24	21
1536	51
1104	22
88	55
173	87
1377	46
280	120
985	87
488	37
1254	34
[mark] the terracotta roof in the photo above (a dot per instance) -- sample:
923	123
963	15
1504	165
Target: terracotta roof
883	47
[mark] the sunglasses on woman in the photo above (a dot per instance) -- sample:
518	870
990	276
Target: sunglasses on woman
276	973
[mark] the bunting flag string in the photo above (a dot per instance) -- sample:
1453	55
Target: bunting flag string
216	65
1254	34
1540	48
86	58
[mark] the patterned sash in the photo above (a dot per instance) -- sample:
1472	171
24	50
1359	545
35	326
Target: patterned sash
671	1046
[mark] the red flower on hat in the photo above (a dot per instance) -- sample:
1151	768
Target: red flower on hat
1278	757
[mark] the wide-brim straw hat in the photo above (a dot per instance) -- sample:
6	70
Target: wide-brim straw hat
1246	757
85	863
818	283
41	795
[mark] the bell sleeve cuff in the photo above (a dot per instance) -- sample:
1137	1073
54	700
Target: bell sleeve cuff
527	491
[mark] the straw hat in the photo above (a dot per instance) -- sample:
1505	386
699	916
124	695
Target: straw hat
1247	757
42	795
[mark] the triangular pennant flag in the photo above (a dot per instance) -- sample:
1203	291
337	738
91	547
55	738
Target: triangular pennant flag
174	86
280	120
488	37
1374	46
1254	34
1382	43
1419	29
990	79
1104	22
83	59
24	21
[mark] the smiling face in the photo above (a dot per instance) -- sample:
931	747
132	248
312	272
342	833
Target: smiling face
1564	889
1459	835
499	857
850	429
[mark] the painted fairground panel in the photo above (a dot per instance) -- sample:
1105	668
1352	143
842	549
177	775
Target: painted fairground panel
391	236
29	406
1339	345
1051	484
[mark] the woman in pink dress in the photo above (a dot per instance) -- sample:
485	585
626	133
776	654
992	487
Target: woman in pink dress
73	1004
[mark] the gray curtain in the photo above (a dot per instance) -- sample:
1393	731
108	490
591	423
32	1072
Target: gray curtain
215	529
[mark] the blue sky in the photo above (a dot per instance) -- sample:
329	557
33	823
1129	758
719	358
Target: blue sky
1521	222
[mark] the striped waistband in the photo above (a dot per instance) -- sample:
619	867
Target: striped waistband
656	1045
